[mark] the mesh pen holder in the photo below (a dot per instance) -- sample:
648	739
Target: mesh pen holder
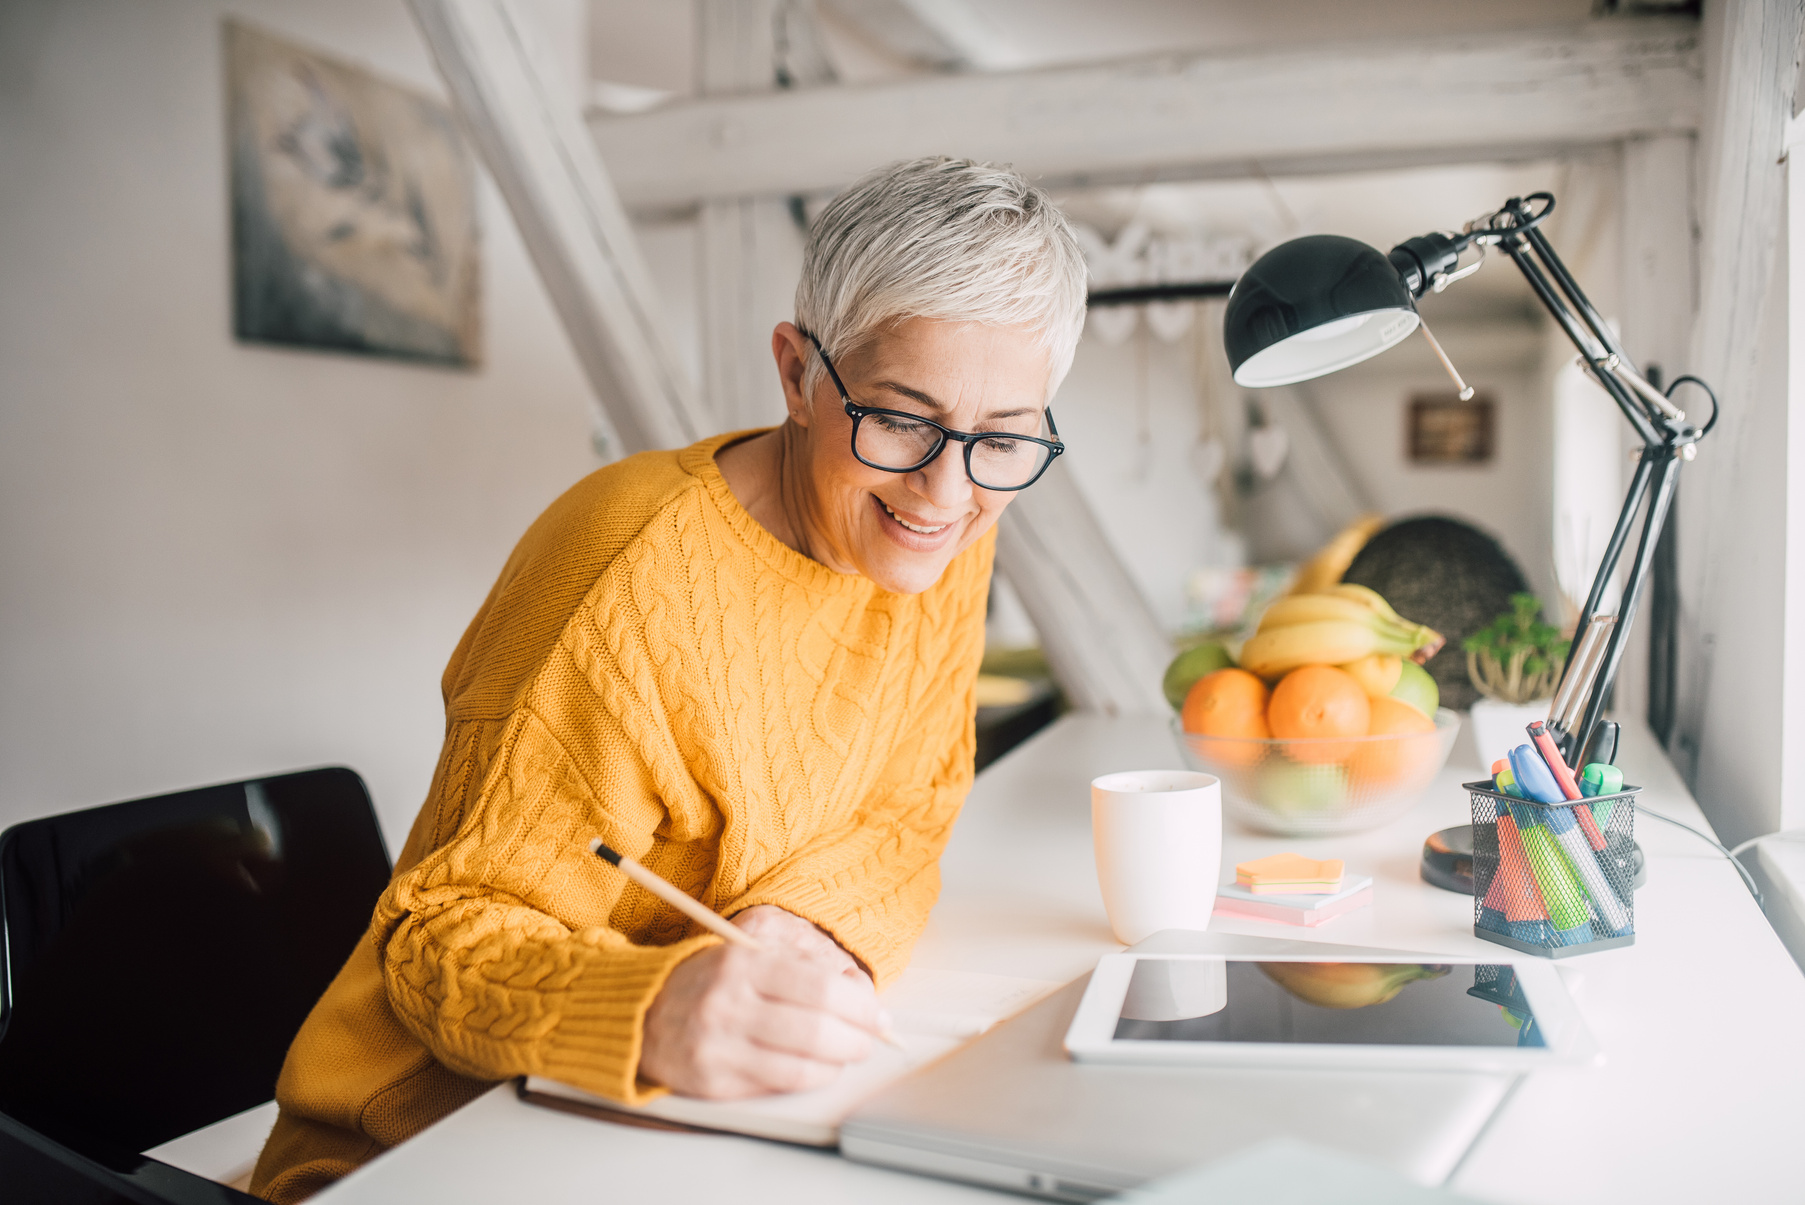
1554	879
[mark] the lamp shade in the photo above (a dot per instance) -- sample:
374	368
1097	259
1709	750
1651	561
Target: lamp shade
1311	306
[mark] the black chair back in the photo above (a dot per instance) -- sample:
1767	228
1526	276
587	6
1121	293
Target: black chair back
159	955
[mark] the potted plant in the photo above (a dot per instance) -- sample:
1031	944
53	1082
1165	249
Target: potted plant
1515	662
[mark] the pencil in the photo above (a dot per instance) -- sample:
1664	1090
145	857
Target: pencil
691	907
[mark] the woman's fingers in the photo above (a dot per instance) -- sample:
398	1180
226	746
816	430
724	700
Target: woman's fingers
807	1032
737	1022
814	985
751	1070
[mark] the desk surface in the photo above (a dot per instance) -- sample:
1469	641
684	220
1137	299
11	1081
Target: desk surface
1702	1095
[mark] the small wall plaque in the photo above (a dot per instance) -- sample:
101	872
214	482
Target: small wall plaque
1447	431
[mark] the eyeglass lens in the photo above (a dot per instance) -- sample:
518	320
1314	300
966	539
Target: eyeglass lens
899	444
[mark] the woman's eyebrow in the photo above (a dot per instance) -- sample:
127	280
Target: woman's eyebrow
933	403
926	399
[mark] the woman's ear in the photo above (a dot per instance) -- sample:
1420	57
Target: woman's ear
790	348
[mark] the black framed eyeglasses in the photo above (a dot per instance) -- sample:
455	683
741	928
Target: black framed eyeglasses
899	442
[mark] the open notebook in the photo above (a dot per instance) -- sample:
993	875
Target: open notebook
935	1012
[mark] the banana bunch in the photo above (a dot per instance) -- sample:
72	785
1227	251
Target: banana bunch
1342	624
1347	984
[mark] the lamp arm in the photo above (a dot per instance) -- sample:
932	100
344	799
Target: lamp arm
1667	438
1613	552
1667	476
1557	268
1597	355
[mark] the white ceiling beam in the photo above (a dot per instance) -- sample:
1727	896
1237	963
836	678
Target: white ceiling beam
570	218
1384	103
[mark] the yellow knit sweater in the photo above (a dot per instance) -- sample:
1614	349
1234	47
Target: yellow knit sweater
653	668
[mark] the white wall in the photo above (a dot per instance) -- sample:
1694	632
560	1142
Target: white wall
1366	410
1132	415
220	560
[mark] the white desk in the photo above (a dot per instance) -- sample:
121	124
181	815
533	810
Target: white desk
1702	1097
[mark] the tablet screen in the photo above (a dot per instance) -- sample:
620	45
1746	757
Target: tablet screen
1371	1003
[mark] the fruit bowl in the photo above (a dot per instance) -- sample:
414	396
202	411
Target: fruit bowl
1308	788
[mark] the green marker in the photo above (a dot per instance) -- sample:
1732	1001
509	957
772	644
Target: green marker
1565	898
1601	779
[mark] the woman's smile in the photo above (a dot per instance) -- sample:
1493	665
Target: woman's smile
916	532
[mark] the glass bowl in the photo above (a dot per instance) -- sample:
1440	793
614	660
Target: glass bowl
1308	788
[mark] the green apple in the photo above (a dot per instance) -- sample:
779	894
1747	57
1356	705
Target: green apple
1288	786
1191	665
1418	689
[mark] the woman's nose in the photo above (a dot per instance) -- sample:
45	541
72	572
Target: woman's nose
943	482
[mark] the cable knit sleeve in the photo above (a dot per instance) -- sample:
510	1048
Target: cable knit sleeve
501	951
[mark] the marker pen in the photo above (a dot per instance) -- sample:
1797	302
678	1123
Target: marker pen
1513	895
1564	825
1534	776
1563	777
1565	898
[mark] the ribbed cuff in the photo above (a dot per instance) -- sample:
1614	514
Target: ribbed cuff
596	1043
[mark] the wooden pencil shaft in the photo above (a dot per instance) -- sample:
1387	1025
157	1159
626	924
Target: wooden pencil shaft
693	908
681	900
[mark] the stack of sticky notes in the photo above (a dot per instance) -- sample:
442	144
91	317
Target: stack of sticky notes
1289	874
1293	890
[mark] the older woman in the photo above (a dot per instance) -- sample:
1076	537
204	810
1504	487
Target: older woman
748	664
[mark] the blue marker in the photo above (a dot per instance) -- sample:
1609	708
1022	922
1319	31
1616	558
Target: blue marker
1534	776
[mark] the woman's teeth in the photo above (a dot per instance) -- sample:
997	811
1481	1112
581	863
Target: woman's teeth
926	531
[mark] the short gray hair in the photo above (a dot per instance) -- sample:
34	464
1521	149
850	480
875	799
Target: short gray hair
946	239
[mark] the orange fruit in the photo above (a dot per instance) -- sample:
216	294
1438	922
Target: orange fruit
1314	703
1394	761
1228	703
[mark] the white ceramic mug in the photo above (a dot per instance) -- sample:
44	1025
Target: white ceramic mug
1158	836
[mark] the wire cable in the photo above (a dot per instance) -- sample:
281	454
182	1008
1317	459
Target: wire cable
1709	392
1748	880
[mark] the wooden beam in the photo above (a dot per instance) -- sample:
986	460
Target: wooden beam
570	218
1659	279
1741	721
743	241
1100	635
1447	99
1792	666
1660	270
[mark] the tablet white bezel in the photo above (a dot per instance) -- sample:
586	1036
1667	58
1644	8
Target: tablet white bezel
1091	1037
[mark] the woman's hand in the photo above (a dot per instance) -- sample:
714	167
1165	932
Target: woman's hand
734	1022
775	927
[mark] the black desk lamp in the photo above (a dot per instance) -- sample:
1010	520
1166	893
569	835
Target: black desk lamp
1322	303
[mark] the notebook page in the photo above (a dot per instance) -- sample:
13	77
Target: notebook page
959	1004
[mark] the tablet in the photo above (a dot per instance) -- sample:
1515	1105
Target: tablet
1362	1011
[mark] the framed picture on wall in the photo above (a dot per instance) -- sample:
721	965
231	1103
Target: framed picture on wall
1443	430
354	223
